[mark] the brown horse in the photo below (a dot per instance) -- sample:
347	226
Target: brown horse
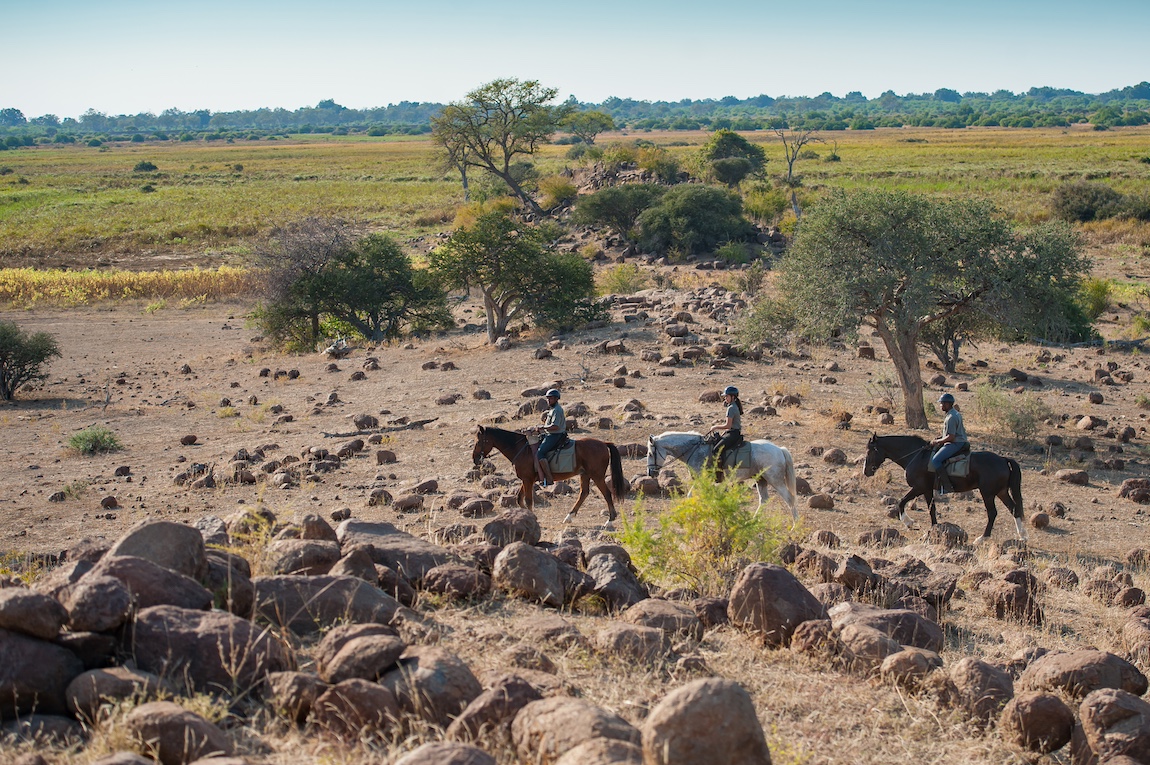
592	458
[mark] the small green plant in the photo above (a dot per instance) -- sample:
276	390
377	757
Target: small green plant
158	305
1017	415
750	280
227	411
624	279
557	191
1094	296
734	253
1143	401
94	440
706	538
144	166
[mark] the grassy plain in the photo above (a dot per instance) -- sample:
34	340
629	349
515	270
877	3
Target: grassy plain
80	206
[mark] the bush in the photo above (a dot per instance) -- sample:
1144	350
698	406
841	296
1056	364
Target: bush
1084	201
660	163
706	538
731	170
693	218
557	191
625	279
22	357
137	138
144	166
734	253
577	151
95	142
94	440
1094	297
615	155
617	207
766	203
750	280
1017	415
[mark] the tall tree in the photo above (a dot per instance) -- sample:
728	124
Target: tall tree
898	263
587	125
495	124
22	357
793	142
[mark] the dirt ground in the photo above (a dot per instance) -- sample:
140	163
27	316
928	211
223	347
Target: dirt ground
120	368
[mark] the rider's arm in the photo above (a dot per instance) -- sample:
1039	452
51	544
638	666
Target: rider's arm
726	425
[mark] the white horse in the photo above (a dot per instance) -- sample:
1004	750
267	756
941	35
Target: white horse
770	465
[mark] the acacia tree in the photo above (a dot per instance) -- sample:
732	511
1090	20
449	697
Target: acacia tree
730	157
793	142
898	263
509	262
587	125
22	357
495	124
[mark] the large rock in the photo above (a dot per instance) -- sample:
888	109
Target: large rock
213	651
41	731
615	582
447	753
302	556
1116	724
903	625
307	604
34	675
515	525
982	689
31	613
153	585
367	658
357	562
705	721
173	735
171	545
676	619
410	556
456	580
909	666
531	573
432	684
293	694
865	647
603	751
493	710
769	601
1039	722
1077	673
545	730
97	604
89	690
229	579
631	643
356	708
337	637
1011	600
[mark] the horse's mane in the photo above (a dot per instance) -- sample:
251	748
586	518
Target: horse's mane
501	434
680	433
907	437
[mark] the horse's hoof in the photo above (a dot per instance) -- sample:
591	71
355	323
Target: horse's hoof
979	540
570	517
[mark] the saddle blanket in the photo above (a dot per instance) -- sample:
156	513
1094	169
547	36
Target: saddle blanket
562	460
959	466
737	457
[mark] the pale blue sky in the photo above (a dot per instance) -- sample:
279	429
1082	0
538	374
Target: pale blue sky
127	56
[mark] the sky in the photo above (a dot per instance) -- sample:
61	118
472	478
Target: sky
127	56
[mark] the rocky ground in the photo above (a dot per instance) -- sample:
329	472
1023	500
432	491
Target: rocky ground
215	424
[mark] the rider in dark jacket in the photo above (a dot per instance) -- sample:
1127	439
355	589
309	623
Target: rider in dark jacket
554	428
733	425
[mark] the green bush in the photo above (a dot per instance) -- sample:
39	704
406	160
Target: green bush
93	440
1013	414
22	357
750	280
617	207
1084	201
557	191
1094	297
735	253
766	203
615	155
660	163
624	279
706	538
144	166
731	170
693	218
95	142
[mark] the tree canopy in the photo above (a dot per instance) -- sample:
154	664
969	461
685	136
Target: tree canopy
587	125
898	263
693	218
22	357
617	207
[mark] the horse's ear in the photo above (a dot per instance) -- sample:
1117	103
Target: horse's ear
873	436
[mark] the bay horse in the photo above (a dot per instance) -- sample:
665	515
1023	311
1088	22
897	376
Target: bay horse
592	460
770	464
993	476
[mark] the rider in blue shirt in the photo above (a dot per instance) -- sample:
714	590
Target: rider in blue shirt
555	429
952	440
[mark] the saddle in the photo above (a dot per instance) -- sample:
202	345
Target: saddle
737	456
958	466
562	457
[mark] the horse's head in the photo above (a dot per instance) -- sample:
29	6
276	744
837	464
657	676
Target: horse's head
655	458
483	446
874	456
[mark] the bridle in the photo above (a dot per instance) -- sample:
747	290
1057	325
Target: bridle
654	464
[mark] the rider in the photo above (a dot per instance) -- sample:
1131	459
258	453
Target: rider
555	427
733	424
952	440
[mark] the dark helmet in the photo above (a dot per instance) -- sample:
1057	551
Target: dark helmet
946	398
731	390
553	393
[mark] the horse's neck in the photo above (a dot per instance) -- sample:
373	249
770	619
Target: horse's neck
509	444
685	446
903	450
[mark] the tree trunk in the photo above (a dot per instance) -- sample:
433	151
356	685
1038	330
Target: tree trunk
6	391
466	189
903	349
795	205
523	195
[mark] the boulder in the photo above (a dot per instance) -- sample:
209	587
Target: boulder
447	753
817	638
1077	673
152	584
603	751
909	666
1009	600
455	580
432	684
515	525
712	720
855	574
545	730
307	604
171	545
31	613
1116	724
34	675
677	620
946	534
981	689
493	710
768	600
302	556
292	694
866	647
1038	722
213	651
410	556
631	643
712	612
40	731
533	574
173	735
229	580
357	562
355	709
97	604
901	624
89	690
367	657
95	650
614	581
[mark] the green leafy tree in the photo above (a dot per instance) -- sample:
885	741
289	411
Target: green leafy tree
617	207
693	218
495	125
731	170
22	357
897	263
587	125
726	145
510	263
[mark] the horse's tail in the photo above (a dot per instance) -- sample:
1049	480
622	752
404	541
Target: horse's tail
1014	484
617	481
789	472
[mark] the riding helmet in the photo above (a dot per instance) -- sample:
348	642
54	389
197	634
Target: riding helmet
731	390
553	393
946	398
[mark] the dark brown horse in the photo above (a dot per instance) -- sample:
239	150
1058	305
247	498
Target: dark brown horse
993	476
592	459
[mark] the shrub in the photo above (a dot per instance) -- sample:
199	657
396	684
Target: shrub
95	142
1094	296
137	138
557	191
22	357
706	538
577	151
731	170
617	207
750	280
660	163
693	218
615	155
147	188
1083	201
144	166
625	279
94	440
766	203
1017	415
734	252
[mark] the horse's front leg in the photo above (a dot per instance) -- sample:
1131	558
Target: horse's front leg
991	514
1016	512
902	516
584	490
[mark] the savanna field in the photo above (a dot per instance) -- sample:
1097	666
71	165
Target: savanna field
147	280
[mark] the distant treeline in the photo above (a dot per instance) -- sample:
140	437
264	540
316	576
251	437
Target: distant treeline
1037	107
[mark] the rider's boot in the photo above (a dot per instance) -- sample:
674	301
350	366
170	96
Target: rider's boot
547	479
540	472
